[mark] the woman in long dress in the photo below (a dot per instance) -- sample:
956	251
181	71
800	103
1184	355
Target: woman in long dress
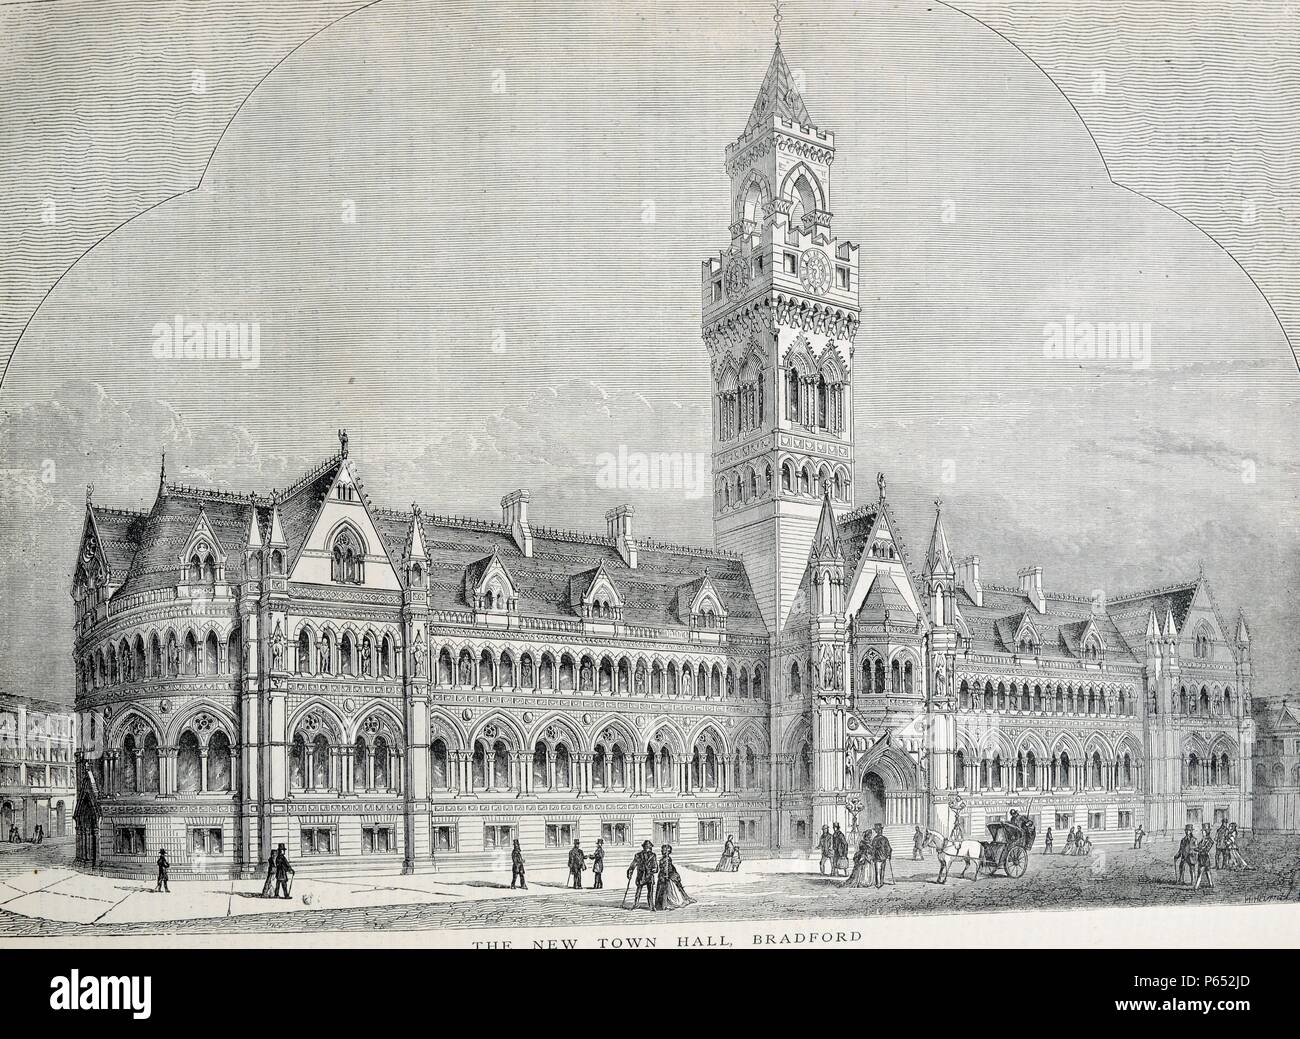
268	888
669	893
860	877
730	861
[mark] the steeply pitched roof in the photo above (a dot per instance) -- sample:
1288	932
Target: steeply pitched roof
157	562
777	96
938	558
994	625
543	581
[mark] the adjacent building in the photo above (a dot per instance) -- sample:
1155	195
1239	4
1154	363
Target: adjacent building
37	753
1277	769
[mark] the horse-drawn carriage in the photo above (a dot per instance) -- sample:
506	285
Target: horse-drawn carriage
1009	849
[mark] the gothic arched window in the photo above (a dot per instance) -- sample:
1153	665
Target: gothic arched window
348	563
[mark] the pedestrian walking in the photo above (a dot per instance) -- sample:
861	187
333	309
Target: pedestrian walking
1047	842
1205	858
918	842
881	855
644	867
1185	856
1138	834
827	845
517	867
163	866
840	847
283	871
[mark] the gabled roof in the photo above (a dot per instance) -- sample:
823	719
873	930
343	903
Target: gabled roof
777	96
1131	613
582	586
169	527
994	625
117	534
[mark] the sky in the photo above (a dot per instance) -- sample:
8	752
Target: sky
471	235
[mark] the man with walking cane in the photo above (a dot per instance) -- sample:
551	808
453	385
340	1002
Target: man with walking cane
644	865
577	863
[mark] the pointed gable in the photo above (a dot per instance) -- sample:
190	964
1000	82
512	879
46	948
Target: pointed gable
489	585
340	521
202	541
699	598
777	97
593	593
1027	634
882	569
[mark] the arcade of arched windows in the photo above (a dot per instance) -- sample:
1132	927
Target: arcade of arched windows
899	677
1029	766
1078	699
1204	700
742	404
196	758
1212	764
815	400
160	653
801	477
545	671
345	652
326	757
497	758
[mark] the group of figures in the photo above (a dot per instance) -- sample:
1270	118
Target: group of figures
870	863
1198	858
1077	842
15	835
657	875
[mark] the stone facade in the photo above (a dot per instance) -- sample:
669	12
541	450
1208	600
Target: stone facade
36	767
379	688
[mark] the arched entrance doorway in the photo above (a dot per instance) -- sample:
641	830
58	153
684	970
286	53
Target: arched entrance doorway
873	795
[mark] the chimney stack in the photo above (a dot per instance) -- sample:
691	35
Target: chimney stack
514	514
1031	583
968	576
619	519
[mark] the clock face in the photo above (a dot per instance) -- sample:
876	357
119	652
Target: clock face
815	271
737	278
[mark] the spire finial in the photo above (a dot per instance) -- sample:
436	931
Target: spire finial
938	505
343	443
880	482
776	18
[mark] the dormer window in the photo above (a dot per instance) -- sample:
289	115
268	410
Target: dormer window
348	565
202	565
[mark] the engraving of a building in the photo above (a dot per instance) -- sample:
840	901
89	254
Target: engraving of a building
386	687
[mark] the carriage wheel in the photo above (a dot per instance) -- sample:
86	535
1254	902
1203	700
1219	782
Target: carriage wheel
1017	863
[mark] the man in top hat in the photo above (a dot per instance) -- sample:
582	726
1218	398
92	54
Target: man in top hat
645	865
1185	856
517	867
918	842
1138	834
283	871
881	853
577	863
598	863
1221	845
163	867
840	845
1205	859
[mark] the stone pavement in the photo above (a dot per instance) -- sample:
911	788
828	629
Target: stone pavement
42	895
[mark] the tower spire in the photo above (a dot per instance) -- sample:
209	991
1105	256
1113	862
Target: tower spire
776	18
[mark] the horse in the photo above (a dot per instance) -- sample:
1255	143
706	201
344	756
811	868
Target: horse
947	850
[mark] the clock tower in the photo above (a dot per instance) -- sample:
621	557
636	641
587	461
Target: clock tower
780	312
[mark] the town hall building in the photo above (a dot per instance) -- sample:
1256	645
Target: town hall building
392	688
